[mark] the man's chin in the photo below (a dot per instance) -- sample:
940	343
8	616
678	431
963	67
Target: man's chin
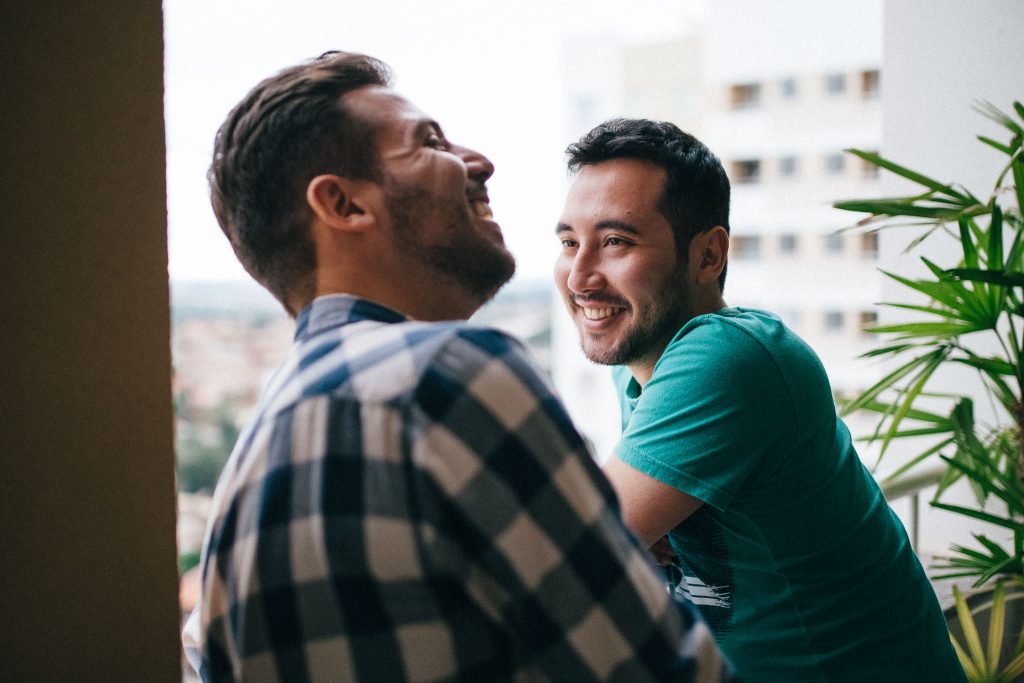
487	295
600	355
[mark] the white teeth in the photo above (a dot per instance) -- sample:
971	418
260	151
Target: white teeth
598	313
482	209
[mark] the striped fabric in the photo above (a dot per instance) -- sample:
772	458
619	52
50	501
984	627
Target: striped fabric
411	503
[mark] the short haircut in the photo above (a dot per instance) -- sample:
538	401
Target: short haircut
696	193
290	128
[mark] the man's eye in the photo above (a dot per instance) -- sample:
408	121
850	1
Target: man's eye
568	244
614	242
437	142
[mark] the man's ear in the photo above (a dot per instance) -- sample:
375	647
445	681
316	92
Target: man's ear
709	252
342	203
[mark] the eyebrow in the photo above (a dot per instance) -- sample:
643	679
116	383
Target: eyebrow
607	224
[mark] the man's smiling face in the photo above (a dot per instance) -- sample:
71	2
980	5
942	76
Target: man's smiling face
618	270
435	195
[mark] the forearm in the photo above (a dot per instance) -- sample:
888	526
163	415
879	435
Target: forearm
650	508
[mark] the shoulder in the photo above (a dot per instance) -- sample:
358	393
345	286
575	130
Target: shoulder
733	327
482	386
477	354
485	363
377	362
722	341
740	341
737	359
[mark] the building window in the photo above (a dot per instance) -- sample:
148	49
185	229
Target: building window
834	321
745	96
787	167
835	164
788	244
869	245
870	84
867	319
788	88
835	84
834	243
746	171
745	247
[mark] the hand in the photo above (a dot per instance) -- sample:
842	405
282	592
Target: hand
663	553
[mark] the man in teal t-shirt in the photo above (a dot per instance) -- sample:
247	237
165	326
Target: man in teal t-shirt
731	447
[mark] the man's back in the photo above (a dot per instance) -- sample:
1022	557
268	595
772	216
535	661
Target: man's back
410	502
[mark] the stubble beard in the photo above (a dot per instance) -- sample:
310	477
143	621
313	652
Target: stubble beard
651	330
476	263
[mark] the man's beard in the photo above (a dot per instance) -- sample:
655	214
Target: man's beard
475	262
651	330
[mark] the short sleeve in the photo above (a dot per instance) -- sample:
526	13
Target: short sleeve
712	415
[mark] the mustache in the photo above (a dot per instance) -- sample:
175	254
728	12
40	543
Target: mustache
598	299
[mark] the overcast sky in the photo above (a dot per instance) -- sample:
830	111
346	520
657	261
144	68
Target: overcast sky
489	72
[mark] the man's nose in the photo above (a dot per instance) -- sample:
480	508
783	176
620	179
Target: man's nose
584	273
478	167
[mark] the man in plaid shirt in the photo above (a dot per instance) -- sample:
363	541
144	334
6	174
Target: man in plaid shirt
410	501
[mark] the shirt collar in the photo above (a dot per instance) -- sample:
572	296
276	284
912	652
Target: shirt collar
335	310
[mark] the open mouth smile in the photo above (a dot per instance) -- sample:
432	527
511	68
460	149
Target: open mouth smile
600	313
481	208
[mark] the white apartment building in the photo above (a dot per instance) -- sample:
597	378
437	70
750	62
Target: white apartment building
777	91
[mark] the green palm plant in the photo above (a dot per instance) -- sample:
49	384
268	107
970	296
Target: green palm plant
983	664
971	315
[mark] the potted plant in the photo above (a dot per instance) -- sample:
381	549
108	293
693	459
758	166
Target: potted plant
967	314
1001	659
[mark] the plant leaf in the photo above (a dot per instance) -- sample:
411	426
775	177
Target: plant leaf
871	393
991	366
912	392
991	111
973	642
967	244
904	172
1013	670
992	143
977	514
920	457
998	277
930	310
941	292
995	238
965	661
939	330
899	208
996	622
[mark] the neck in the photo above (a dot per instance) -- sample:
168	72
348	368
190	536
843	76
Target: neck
644	368
419	296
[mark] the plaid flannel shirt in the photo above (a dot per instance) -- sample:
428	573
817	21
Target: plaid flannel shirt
412	503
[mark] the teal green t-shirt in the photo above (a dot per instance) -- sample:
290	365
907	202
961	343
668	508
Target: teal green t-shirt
795	560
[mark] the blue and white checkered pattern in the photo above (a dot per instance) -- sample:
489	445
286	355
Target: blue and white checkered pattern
411	503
